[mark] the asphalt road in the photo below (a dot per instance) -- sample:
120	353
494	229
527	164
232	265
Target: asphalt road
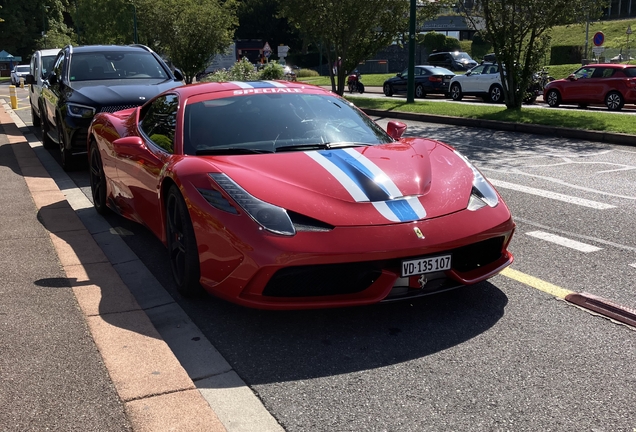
501	355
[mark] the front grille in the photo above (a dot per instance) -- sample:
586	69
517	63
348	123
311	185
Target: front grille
476	255
322	280
115	108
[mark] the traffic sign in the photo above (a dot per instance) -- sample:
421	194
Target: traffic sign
599	38
598	50
267	50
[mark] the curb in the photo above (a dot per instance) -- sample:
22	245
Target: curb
166	373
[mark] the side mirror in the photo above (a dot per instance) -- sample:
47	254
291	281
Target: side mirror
52	78
178	75
29	79
129	147
395	129
571	77
399	75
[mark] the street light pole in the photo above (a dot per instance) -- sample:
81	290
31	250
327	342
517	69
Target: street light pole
134	22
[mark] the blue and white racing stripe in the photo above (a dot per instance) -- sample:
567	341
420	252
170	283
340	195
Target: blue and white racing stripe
366	182
258	84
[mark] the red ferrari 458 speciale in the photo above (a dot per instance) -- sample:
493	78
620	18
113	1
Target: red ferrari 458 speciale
283	195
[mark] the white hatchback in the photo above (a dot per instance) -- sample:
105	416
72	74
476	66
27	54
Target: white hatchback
483	81
19	72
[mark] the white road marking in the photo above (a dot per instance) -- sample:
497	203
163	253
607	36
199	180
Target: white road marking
552	195
573	244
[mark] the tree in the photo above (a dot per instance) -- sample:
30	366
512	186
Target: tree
349	31
188	32
103	22
519	31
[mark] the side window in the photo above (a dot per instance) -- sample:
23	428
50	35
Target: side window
160	121
57	66
608	72
630	72
477	70
584	72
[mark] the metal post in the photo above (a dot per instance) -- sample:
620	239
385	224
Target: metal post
587	33
410	92
134	22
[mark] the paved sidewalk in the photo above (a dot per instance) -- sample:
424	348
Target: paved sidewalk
78	352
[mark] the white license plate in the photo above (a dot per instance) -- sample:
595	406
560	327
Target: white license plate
426	265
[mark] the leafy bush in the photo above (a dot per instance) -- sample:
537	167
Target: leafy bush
272	71
242	70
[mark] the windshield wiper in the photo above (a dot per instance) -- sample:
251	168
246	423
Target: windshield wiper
321	146
230	151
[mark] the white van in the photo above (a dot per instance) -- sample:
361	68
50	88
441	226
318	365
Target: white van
41	64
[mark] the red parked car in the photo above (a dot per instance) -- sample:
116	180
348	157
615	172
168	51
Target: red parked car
282	195
613	85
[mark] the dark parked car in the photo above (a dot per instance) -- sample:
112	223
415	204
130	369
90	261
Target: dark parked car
455	61
428	79
613	85
86	80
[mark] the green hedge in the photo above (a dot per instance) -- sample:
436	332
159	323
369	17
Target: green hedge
566	54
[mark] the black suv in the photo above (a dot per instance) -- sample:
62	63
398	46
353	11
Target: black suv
86	80
455	61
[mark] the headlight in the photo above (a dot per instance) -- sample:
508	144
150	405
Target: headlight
82	111
270	217
482	193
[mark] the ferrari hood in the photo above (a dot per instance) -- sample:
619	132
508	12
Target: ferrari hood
399	182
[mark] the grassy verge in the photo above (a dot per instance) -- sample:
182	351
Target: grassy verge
597	121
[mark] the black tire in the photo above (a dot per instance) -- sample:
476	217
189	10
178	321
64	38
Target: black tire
360	88
66	158
495	94
419	91
35	119
98	179
47	142
614	101
553	98
456	92
182	245
388	90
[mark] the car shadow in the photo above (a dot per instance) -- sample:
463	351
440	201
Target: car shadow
268	346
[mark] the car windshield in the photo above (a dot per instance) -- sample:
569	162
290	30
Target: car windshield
47	64
115	65
268	123
461	56
22	69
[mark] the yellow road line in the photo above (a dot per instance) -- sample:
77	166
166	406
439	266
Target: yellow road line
537	283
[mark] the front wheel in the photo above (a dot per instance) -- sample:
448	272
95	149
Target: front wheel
553	98
456	92
182	245
388	91
35	119
66	157
614	101
97	178
47	142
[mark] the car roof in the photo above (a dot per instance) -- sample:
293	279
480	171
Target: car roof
609	65
108	48
48	52
246	87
